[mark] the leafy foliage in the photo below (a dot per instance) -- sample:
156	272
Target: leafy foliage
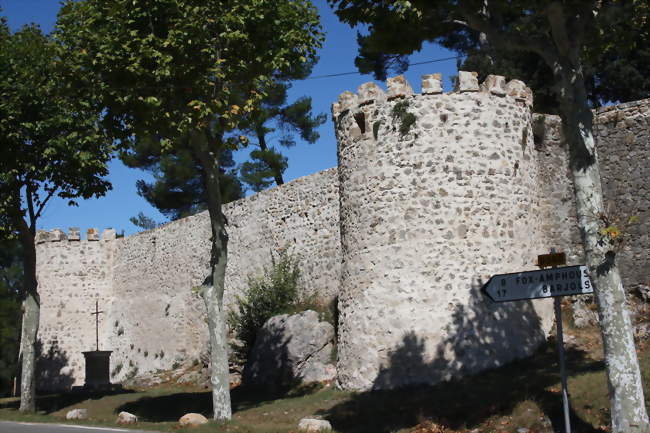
186	64
272	293
617	63
51	143
267	164
143	221
401	114
178	188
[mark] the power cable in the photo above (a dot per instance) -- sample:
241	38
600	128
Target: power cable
340	74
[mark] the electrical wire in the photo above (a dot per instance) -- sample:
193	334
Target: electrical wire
341	74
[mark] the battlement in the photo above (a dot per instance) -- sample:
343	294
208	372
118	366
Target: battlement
399	87
74	235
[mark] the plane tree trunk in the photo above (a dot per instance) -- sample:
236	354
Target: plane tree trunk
30	318
627	401
213	288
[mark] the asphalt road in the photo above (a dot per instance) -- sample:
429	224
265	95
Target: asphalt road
16	427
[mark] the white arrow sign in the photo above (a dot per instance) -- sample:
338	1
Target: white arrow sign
545	283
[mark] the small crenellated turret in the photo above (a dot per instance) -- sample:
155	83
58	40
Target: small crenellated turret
73	235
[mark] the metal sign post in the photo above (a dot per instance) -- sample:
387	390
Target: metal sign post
550	283
560	349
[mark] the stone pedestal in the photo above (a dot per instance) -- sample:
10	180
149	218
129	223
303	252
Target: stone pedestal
98	369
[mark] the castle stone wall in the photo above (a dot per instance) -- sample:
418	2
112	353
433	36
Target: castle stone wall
154	320
404	232
622	134
623	141
427	216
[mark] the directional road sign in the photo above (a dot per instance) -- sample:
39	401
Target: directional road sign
545	283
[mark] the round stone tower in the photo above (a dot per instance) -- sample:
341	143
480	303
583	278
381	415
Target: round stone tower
438	192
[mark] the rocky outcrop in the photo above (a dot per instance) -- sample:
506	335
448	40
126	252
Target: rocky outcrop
291	349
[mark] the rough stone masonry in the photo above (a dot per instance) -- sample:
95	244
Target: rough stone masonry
433	193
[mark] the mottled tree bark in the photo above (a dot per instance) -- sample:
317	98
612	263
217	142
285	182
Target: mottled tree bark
627	401
213	289
30	320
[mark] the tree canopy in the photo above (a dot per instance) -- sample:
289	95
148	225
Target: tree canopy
181	76
616	60
51	145
273	115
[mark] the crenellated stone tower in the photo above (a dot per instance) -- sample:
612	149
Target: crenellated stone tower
437	192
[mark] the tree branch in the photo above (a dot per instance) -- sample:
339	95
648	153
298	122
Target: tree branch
42	206
558	23
506	39
29	198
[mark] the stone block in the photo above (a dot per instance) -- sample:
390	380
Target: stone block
109	235
494	84
518	90
347	100
370	92
74	234
398	87
431	84
467	81
42	236
92	234
58	235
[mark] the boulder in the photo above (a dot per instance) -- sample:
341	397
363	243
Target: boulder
314	425
77	414
291	349
126	418
192	420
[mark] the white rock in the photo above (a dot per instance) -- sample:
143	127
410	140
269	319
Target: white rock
314	425
77	414
192	420
126	418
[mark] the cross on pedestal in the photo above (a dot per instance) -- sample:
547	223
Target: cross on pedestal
96	314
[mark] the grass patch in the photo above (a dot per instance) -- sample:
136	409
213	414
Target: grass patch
523	394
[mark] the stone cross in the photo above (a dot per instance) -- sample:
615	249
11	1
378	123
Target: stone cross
96	314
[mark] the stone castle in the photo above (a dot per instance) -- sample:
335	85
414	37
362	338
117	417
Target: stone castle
433	194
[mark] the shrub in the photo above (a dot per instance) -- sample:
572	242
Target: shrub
272	293
401	114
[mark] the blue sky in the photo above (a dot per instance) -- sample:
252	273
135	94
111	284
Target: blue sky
336	56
